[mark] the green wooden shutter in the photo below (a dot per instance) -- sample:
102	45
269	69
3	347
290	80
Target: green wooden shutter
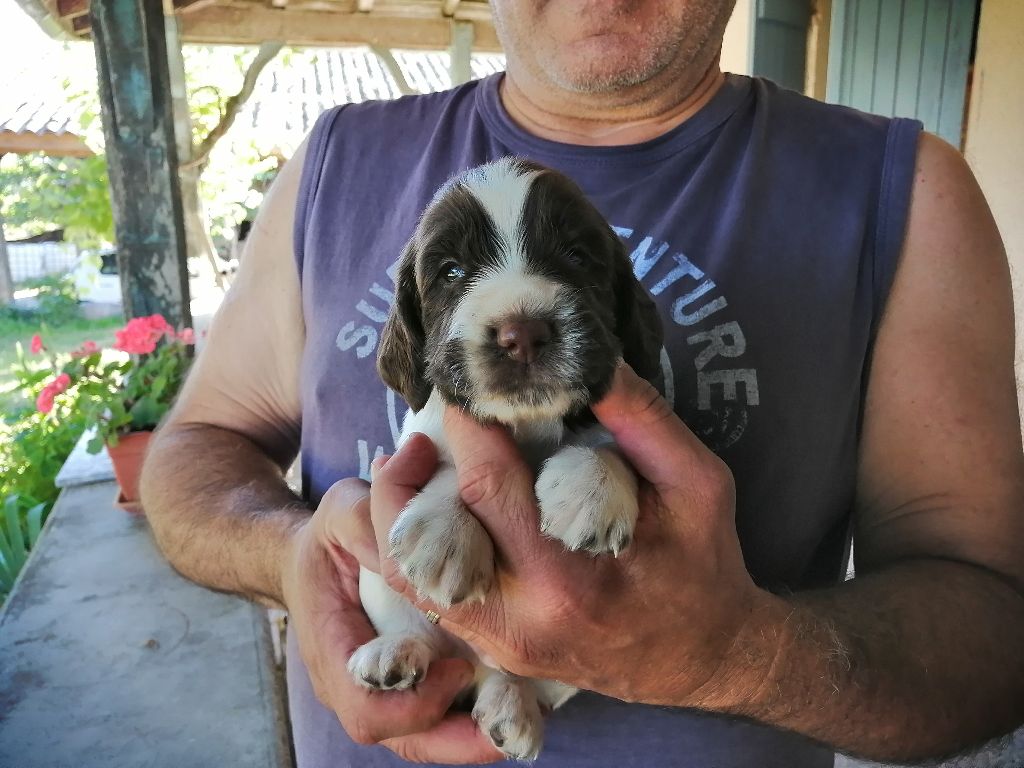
780	41
903	58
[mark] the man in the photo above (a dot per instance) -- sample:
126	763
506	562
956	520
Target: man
838	320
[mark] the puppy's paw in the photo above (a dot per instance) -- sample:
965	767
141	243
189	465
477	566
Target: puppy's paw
506	710
441	549
391	662
588	499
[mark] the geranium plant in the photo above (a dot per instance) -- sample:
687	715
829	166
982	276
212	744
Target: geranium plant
127	394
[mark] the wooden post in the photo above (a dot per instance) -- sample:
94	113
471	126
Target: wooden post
6	282
460	50
138	126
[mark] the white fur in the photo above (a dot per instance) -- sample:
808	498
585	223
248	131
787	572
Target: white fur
588	499
432	525
502	187
507	710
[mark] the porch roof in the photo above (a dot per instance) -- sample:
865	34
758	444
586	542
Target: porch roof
40	126
406	24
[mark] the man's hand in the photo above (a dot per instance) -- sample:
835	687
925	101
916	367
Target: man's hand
321	591
659	623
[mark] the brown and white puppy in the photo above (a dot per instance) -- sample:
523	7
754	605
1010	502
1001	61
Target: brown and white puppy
515	301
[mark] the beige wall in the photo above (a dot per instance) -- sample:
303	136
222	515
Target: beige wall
736	47
995	136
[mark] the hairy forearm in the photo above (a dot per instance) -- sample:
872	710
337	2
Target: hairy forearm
918	661
220	509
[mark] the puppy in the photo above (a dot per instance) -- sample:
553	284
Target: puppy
514	302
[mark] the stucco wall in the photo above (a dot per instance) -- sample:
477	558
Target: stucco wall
736	47
995	137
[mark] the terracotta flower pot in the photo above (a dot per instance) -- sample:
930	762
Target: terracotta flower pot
127	458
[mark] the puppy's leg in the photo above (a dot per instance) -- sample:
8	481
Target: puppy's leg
508	711
406	644
441	549
588	498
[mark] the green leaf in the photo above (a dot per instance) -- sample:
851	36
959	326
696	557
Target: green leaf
14	556
96	443
34	518
146	413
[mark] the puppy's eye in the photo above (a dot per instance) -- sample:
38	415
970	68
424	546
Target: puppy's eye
575	257
452	272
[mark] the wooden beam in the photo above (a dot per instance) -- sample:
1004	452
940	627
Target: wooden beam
387	58
190	6
60	144
66	8
449	7
460	52
142	158
6	281
219	24
364	6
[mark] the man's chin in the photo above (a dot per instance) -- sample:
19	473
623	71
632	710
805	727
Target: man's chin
600	66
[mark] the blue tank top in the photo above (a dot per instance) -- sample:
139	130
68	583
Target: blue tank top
767	227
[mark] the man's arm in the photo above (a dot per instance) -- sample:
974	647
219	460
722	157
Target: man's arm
213	484
921	653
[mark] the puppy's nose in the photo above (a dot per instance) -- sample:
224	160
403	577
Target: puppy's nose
524	339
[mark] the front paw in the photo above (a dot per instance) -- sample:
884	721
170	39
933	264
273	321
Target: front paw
391	662
588	499
442	550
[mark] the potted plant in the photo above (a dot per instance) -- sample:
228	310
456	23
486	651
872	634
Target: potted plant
126	397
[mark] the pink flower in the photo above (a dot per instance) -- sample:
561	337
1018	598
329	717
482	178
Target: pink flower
44	403
187	336
88	348
140	335
37	344
158	325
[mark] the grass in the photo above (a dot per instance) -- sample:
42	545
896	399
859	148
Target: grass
62	338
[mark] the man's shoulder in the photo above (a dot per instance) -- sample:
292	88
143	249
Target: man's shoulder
832	136
789	103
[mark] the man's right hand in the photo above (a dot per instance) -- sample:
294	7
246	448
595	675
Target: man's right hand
321	591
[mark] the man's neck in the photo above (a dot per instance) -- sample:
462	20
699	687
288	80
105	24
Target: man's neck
598	121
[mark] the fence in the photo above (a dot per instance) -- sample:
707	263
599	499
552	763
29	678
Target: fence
33	260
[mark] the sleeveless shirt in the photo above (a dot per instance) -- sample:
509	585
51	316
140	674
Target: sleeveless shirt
767	227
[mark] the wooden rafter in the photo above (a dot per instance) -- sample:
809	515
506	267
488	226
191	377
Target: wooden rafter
62	144
387	58
71	8
391	23
220	24
191	6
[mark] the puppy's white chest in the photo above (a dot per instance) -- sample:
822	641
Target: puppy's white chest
537	440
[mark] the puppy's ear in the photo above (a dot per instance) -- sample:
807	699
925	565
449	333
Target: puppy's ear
400	357
637	322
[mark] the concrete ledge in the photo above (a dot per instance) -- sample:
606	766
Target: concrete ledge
109	658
